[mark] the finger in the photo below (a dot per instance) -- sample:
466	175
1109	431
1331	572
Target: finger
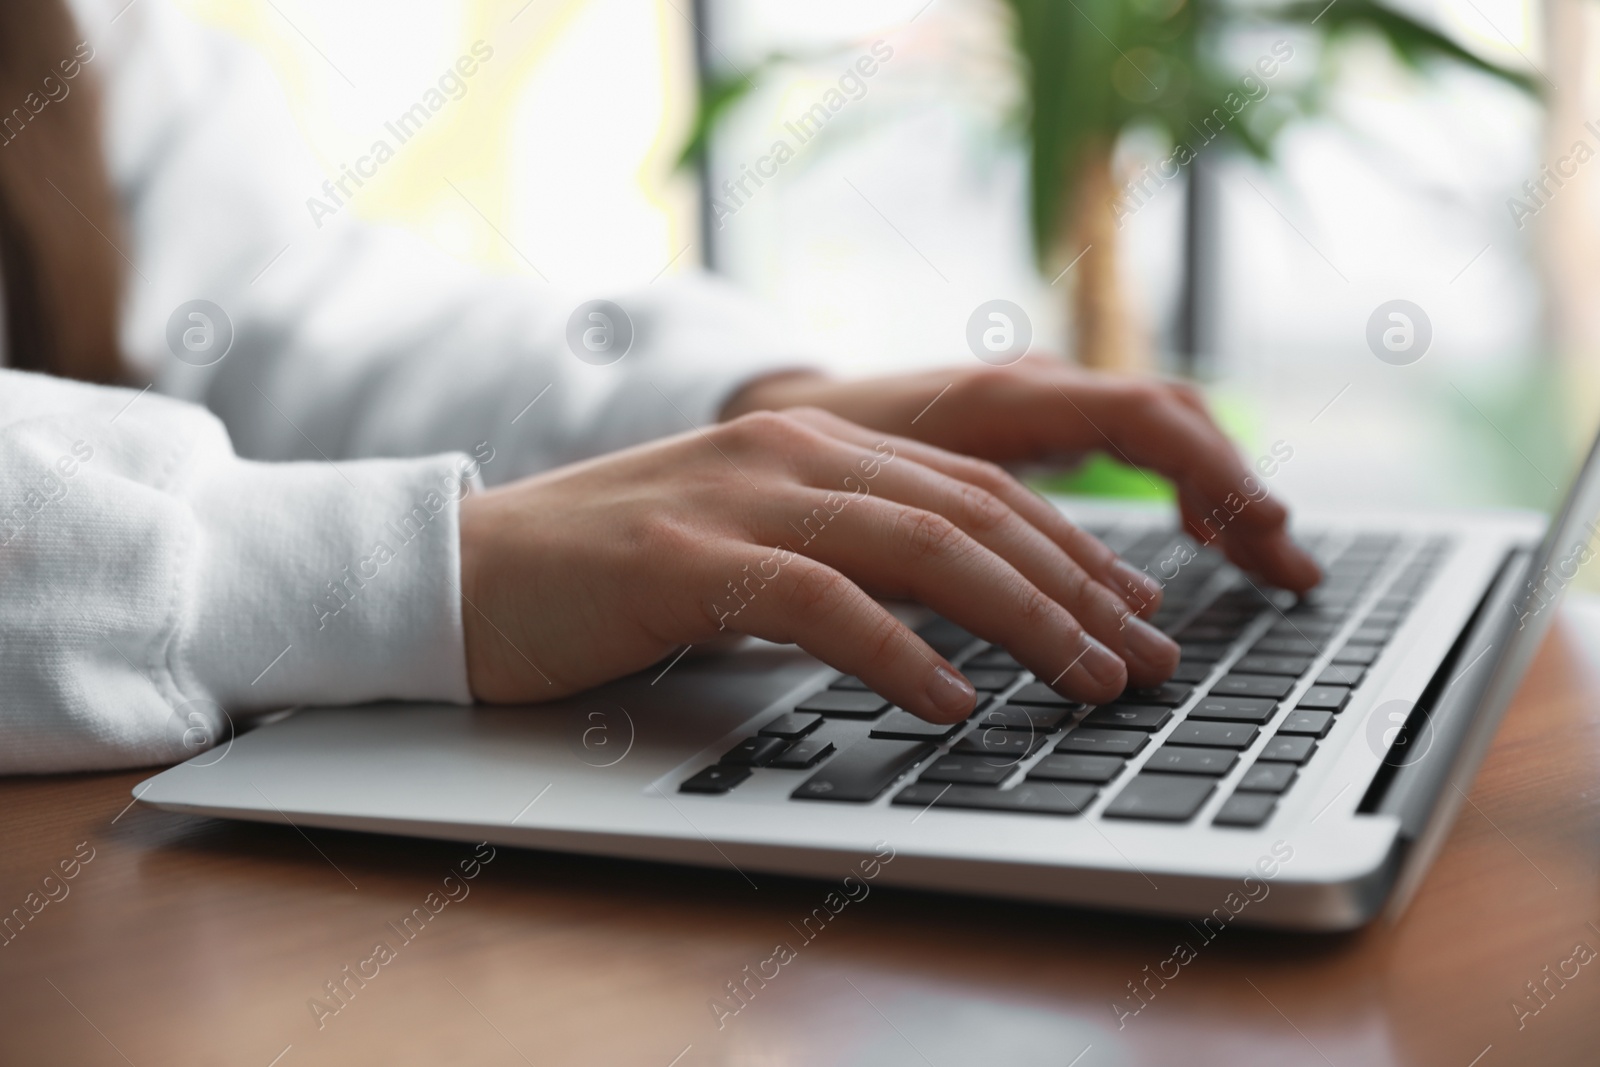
1165	427
1138	590
1166	432
1271	553
1149	654
894	550
1158	431
1263	548
794	599
1191	398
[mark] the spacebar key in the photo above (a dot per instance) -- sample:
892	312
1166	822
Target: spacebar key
864	770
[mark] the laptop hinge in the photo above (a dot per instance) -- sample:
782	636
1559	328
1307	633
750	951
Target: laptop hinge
1417	765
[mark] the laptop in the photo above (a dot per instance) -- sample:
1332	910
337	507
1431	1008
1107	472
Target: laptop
1299	771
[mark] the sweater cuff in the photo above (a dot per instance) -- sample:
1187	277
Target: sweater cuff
329	584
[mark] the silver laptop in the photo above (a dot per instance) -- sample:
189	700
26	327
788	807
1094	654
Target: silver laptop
1299	771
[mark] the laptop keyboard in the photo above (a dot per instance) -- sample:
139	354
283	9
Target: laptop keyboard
1262	679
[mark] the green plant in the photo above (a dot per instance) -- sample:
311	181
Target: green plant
1092	69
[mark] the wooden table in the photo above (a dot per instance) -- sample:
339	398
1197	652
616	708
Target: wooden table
192	941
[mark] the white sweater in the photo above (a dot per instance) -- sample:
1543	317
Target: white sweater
152	583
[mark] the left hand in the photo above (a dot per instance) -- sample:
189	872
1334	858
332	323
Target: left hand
1042	409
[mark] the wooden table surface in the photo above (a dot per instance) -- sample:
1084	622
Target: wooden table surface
187	940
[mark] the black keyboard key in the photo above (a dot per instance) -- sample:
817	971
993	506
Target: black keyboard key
1309	723
714	780
1103	742
990	681
1047	798
1191	671
1203	651
754	751
1145	548
1243	597
1341	674
1284	666
1129	717
804	753
844	704
1163	797
1288	749
967	770
992	659
849	681
1022	717
1245	809
1219	634
1287	646
1043	695
1234	709
1360	655
863	770
1175	759
1252	685
945	637
1268	777
792	725
1234	619
1304	629
1317	612
1071	767
901	725
1371	634
1004	745
1038	798
1214	734
1305	607
1167	694
1325	698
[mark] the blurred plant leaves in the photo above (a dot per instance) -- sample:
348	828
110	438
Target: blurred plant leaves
1079	53
1092	68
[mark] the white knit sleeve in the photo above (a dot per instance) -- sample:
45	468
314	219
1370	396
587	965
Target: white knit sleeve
154	586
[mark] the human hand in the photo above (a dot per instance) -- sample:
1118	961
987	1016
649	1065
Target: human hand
1042	409
785	526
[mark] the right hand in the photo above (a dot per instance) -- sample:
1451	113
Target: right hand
784	527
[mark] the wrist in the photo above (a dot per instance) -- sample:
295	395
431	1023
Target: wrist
775	392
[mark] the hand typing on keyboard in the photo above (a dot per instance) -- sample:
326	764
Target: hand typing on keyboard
1043	409
786	526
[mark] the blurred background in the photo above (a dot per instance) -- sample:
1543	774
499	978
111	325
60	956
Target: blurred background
1127	172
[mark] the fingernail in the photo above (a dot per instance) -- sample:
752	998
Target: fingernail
952	694
1136	581
1103	665
1148	644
